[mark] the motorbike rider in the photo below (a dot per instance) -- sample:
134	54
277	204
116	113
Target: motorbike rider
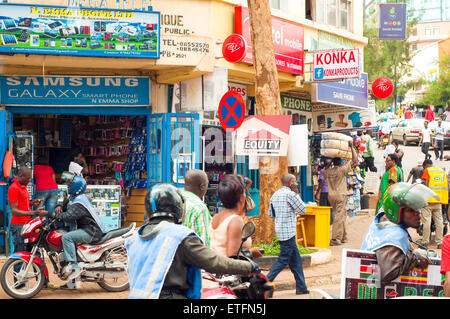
388	237
79	210
165	257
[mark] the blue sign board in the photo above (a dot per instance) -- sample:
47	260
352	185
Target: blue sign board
78	31
74	91
392	21
348	92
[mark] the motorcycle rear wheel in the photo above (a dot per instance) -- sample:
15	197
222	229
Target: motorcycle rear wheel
116	255
35	277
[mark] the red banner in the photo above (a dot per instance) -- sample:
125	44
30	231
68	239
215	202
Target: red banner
287	41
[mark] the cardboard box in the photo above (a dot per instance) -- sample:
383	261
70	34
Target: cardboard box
373	201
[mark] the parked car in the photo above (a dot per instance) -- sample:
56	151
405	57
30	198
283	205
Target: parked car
446	125
409	130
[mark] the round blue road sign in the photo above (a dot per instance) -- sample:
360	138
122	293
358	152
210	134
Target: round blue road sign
231	111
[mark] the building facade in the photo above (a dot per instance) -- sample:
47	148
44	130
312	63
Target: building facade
168	102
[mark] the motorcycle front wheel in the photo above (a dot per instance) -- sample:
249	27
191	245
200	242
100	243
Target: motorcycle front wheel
117	256
18	284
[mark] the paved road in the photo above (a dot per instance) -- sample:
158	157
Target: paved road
356	233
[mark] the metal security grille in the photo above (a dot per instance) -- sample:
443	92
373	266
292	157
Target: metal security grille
173	147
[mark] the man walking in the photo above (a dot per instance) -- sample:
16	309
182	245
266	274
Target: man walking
439	140
285	206
425	140
336	177
436	179
415	173
368	153
197	216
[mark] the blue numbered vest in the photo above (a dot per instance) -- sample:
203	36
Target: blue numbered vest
149	261
389	235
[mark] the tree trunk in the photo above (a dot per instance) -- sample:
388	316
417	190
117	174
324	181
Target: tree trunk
267	95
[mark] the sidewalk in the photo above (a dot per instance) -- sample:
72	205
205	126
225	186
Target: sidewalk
327	269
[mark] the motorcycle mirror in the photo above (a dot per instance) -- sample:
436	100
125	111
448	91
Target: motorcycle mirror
67	176
248	230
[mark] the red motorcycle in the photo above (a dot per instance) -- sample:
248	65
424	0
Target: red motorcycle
256	286
105	262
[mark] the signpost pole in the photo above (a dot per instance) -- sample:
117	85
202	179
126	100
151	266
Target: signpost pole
268	102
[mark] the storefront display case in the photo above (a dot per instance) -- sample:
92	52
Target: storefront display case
106	199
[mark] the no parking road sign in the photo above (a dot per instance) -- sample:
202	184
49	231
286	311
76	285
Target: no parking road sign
231	111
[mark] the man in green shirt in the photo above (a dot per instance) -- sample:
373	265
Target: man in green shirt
368	153
197	216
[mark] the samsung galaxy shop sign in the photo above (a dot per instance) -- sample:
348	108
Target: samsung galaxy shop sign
74	91
336	64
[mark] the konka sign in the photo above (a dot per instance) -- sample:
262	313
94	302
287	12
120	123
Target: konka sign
336	64
287	41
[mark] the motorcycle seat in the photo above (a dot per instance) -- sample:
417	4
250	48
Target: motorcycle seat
112	234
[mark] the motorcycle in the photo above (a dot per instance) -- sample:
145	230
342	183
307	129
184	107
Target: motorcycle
256	286
384	141
104	262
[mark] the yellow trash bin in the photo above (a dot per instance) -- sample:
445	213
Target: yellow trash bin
317	226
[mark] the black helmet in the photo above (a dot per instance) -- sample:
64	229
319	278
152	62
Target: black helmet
164	200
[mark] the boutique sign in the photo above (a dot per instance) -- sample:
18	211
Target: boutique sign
74	91
79	31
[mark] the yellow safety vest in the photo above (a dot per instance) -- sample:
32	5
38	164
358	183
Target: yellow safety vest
439	184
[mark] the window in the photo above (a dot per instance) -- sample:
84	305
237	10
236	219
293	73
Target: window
308	11
428	31
344	9
275	4
436	31
335	13
332	12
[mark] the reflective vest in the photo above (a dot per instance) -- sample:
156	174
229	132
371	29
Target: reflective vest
439	184
86	203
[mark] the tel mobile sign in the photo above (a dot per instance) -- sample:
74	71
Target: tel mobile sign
336	64
79	31
74	91
287	37
348	92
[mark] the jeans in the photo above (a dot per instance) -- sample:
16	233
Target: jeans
49	199
439	146
425	149
69	240
289	255
17	239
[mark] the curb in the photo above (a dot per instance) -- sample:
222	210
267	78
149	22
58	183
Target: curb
322	256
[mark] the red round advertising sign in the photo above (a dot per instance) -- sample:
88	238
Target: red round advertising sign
382	87
231	111
234	48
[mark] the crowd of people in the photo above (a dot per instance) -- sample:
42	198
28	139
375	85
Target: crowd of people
180	236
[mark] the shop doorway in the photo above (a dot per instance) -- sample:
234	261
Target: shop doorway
127	151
